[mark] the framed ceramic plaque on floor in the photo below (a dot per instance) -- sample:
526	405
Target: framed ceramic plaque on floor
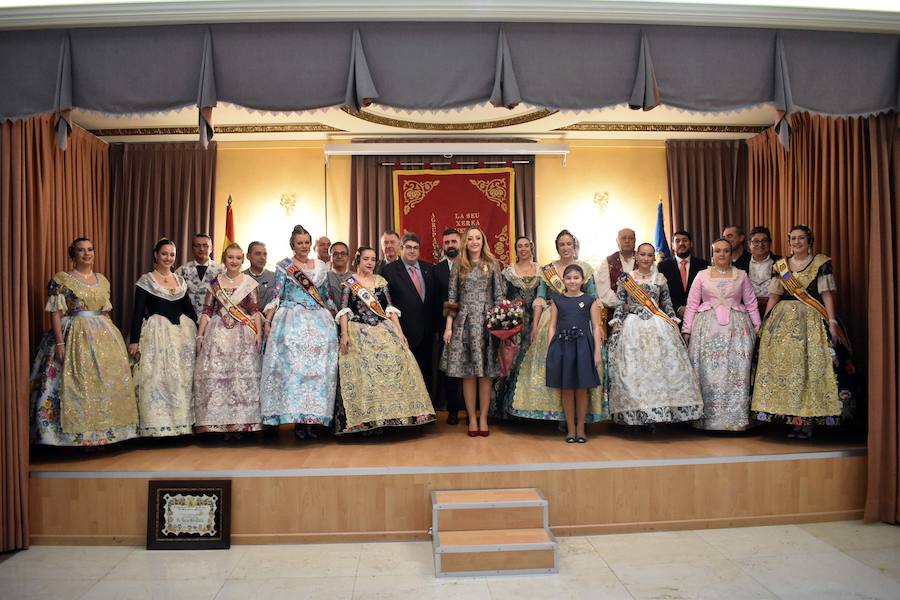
189	515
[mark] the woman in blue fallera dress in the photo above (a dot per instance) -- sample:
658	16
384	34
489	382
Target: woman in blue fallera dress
299	371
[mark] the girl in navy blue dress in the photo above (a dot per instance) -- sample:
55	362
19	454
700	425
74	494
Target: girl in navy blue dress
575	339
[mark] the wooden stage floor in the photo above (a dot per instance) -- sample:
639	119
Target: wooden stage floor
437	445
379	488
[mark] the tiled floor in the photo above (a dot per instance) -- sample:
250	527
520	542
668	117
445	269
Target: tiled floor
843	561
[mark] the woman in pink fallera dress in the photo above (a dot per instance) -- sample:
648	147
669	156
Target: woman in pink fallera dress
720	325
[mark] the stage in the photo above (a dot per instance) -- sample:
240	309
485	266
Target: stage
378	488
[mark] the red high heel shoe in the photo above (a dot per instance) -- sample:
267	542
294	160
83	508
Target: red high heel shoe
484	433
475	433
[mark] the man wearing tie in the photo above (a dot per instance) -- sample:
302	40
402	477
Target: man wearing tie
681	269
413	292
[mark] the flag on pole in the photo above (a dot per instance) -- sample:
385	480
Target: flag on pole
229	228
659	239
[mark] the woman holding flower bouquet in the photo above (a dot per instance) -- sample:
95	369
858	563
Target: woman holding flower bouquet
469	352
532	398
522	281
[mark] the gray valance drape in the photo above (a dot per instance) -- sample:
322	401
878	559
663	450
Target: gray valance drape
299	66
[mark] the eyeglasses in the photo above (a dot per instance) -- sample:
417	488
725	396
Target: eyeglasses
339	253
410	247
758	242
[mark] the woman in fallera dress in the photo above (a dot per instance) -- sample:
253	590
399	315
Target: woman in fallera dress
795	377
83	394
470	352
299	371
532	398
229	339
163	335
522	281
720	324
381	385
650	375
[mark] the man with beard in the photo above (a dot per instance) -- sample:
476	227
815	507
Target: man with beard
681	269
447	391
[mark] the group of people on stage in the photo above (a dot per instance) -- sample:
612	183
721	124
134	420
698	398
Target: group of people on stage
326	342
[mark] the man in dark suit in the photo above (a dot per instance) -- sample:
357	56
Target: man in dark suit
447	387
681	269
414	293
740	257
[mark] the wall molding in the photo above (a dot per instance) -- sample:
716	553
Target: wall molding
661	127
451	126
245	129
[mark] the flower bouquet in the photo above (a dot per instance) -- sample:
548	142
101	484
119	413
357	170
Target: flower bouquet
505	322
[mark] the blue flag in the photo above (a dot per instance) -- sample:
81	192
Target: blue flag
659	239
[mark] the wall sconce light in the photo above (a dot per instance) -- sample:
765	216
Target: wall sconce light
601	199
288	202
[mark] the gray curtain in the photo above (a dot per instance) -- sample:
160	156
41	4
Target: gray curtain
707	188
156	190
372	195
298	66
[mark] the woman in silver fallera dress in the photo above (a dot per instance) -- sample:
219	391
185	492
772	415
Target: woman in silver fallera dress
720	325
651	378
470	352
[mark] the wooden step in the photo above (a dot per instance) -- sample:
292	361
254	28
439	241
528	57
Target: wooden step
495	551
466	510
486	498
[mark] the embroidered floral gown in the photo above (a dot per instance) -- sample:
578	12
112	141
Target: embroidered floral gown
299	370
227	370
89	399
795	377
651	379
722	316
164	326
532	398
522	289
380	381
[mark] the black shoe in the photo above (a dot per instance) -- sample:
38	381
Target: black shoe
452	418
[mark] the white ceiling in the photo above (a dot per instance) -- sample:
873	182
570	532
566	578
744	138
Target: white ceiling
848	15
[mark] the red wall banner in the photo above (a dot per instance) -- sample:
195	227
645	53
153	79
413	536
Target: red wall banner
427	201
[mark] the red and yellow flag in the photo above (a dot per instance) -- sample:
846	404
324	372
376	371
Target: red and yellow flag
229	228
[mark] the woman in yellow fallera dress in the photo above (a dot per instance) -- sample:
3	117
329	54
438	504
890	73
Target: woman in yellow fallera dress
795	377
83	393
